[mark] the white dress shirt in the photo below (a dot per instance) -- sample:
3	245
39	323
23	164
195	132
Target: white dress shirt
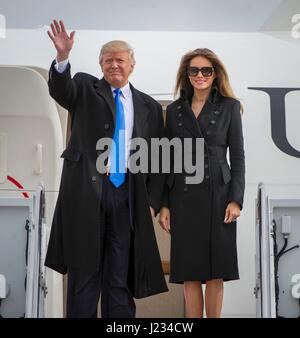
127	101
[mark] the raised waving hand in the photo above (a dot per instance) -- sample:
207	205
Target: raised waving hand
62	41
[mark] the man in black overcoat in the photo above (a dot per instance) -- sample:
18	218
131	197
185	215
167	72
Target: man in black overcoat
103	235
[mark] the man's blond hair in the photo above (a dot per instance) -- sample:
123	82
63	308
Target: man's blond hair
117	46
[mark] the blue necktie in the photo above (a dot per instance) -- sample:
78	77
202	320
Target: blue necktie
117	156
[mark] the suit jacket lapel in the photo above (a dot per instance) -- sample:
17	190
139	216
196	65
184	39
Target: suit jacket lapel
141	112
103	89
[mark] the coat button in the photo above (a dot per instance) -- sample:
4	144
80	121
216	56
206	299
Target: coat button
93	178
205	166
207	177
216	112
106	126
213	122
180	124
208	132
185	189
179	114
178	107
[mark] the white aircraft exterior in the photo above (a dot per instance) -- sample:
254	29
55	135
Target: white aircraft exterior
264	71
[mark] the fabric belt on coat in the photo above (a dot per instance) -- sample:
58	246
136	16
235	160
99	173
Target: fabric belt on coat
217	151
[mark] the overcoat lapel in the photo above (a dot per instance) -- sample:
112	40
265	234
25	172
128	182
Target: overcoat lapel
141	113
188	119
208	116
211	111
103	89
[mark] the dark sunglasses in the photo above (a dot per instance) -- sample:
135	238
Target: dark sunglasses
205	71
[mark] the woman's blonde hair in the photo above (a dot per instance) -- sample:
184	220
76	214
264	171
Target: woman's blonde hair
183	84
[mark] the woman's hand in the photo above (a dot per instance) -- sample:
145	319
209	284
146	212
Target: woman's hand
164	219
232	212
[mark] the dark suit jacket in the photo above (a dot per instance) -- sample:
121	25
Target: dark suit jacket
76	230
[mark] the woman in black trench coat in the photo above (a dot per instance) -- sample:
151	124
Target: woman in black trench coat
202	217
